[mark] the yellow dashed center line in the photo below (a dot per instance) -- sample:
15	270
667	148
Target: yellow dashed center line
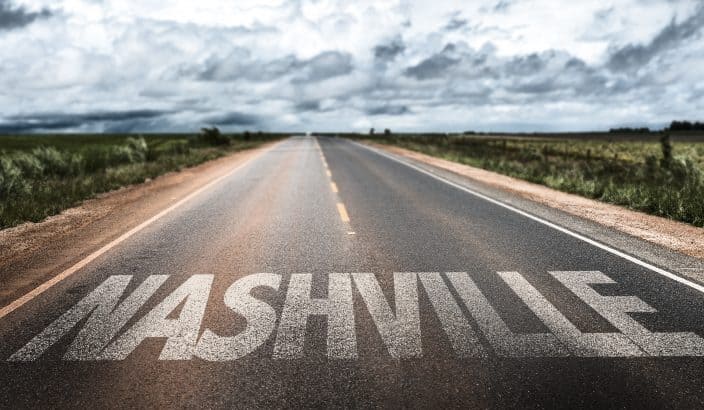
344	216
343	212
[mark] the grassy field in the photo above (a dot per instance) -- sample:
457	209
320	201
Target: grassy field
664	178
41	175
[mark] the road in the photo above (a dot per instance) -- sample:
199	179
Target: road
322	273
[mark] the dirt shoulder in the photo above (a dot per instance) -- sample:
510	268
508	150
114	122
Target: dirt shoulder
680	237
32	252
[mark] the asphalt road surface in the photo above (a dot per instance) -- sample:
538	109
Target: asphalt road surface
322	273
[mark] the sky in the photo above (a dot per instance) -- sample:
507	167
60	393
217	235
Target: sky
326	65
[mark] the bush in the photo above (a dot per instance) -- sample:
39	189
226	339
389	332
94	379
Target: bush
11	180
139	149
212	136
29	165
56	162
135	150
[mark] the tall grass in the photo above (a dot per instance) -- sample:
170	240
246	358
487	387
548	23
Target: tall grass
659	178
44	180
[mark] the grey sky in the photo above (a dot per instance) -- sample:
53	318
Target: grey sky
513	65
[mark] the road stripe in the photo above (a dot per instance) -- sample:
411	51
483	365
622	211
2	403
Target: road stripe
88	259
333	186
328	173
343	212
545	222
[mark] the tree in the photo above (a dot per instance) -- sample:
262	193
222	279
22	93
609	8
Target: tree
212	136
686	126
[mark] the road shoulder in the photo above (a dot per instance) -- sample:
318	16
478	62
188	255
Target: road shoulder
672	245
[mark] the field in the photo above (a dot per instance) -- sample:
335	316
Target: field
642	172
41	175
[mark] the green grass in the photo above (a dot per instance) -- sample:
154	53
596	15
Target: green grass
629	173
41	175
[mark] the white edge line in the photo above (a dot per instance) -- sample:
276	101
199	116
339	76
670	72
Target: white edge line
17	303
581	237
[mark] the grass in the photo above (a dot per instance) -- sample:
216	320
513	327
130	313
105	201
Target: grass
41	175
644	174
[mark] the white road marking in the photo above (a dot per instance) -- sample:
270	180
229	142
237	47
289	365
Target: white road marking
464	340
616	310
502	339
260	317
88	259
103	324
399	327
663	272
579	344
338	307
400	330
181	333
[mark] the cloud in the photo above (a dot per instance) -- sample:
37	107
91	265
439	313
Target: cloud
239	65
456	24
388	109
323	66
434	66
503	6
388	52
233	118
17	17
410	65
636	55
304	106
123	120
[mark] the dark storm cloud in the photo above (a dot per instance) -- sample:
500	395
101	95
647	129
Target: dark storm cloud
637	55
526	65
240	66
63	121
12	17
554	72
388	110
388	52
482	78
325	65
434	66
234	118
304	106
537	87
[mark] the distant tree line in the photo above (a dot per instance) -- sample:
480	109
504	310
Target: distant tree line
386	131
629	130
674	126
686	126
